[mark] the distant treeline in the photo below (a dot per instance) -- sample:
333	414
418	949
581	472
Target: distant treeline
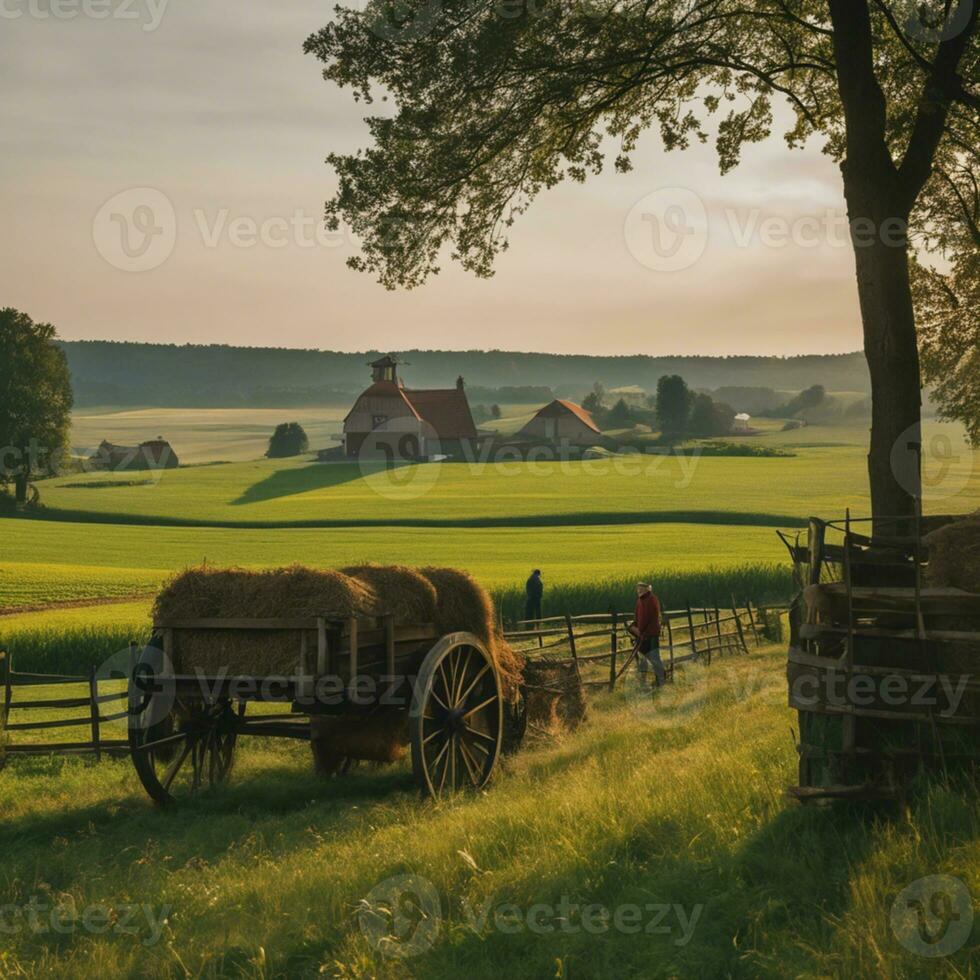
123	373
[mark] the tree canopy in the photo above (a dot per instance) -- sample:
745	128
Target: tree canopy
35	399
289	439
497	100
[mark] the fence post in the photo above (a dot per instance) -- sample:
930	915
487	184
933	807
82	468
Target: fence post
614	649
738	627
571	637
755	630
690	624
93	690
670	646
721	639
6	669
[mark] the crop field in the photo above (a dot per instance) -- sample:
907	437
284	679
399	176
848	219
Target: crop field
201	435
653	842
827	474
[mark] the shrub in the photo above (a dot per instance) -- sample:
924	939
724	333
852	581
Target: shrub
289	439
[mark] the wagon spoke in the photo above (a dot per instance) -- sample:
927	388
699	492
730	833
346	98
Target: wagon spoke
175	766
481	706
474	769
473	684
458	697
476	731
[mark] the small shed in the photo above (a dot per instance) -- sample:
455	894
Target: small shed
562	421
156	454
741	422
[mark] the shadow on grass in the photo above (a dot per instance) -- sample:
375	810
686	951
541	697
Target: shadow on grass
281	788
293	481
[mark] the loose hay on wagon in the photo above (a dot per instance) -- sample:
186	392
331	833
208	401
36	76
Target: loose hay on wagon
373	662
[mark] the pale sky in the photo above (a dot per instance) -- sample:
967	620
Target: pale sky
212	105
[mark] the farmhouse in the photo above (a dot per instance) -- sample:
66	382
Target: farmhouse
157	454
391	421
562	421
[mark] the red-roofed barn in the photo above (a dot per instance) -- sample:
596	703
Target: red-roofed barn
562	421
391	421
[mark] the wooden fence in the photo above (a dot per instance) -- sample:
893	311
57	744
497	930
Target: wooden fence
688	634
13	683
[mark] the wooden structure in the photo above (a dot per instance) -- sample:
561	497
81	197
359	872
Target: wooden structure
156	454
13	683
882	668
564	422
689	634
185	726
390	421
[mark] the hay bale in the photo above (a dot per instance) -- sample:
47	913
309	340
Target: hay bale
954	554
464	605
404	593
379	737
236	593
554	695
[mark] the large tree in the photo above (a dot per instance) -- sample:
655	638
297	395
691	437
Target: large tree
674	401
35	399
497	99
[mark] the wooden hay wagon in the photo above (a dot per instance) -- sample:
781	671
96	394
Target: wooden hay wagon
444	693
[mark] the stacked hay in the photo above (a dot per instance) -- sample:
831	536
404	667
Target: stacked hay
954	555
401	592
447	597
379	737
555	698
235	593
464	605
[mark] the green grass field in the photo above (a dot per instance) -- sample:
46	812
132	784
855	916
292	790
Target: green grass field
654	842
674	804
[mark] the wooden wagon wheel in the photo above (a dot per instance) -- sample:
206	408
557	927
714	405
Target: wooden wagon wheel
456	722
185	751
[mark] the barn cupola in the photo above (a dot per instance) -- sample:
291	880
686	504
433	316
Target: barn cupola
385	369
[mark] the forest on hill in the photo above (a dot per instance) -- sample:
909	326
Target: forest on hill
168	375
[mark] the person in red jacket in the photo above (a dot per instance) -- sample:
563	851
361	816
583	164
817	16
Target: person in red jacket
646	630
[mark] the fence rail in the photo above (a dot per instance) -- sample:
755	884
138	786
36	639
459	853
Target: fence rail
689	634
693	633
12	681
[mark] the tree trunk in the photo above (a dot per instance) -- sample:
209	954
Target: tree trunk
890	346
20	488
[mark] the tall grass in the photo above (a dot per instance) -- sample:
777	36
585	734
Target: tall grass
70	642
710	586
673	804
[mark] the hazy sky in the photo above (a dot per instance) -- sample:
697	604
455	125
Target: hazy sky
213	107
